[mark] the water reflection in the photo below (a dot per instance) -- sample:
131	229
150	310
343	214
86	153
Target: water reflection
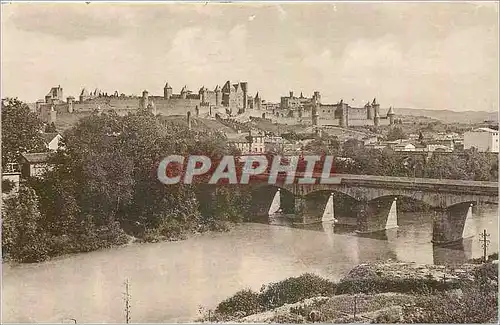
454	253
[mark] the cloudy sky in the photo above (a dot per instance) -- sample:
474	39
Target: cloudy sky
426	55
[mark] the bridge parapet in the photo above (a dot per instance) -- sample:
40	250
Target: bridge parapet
439	193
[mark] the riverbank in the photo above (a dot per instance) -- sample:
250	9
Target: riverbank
124	240
374	293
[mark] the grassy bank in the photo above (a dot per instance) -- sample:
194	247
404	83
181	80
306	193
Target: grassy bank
377	293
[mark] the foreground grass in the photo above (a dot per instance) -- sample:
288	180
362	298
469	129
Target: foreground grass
368	295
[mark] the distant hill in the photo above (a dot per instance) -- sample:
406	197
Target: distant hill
449	116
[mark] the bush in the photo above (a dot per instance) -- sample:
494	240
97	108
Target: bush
380	285
243	303
475	305
7	185
486	272
295	289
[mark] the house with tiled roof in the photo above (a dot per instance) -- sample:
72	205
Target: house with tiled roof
35	164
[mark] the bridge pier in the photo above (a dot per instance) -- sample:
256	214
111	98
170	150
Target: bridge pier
299	208
377	215
449	223
455	253
315	210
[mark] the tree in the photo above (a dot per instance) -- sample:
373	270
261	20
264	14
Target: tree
20	131
22	237
396	133
50	128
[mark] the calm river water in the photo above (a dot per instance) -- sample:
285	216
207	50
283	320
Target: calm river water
169	281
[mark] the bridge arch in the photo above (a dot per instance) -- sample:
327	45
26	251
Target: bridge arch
262	198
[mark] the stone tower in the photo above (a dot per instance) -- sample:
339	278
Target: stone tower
184	92
257	101
84	95
317	97
203	94
244	88
376	118
145	100
167	91
376	107
52	115
369	111
70	100
218	96
344	113
314	113
390	115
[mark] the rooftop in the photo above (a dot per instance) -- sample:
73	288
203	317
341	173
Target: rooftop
38	157
47	137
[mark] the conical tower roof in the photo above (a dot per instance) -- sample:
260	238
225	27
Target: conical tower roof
391	111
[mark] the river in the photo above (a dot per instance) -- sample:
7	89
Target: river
169	281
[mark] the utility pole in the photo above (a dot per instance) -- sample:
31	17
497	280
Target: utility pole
127	302
355	307
484	242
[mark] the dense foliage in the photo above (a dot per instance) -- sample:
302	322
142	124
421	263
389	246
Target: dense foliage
467	165
20	131
295	289
242	303
104	184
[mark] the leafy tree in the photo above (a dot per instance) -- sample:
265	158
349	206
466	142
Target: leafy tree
396	133
22	237
20	131
352	147
50	128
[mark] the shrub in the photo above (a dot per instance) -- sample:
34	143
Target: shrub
475	305
486	272
380	285
7	185
295	289
243	303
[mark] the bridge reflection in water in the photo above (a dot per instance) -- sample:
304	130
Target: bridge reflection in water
412	241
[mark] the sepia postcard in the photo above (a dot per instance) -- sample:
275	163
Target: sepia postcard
249	162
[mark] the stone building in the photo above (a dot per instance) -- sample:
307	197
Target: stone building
55	95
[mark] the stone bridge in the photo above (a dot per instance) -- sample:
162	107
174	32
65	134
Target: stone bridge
376	198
